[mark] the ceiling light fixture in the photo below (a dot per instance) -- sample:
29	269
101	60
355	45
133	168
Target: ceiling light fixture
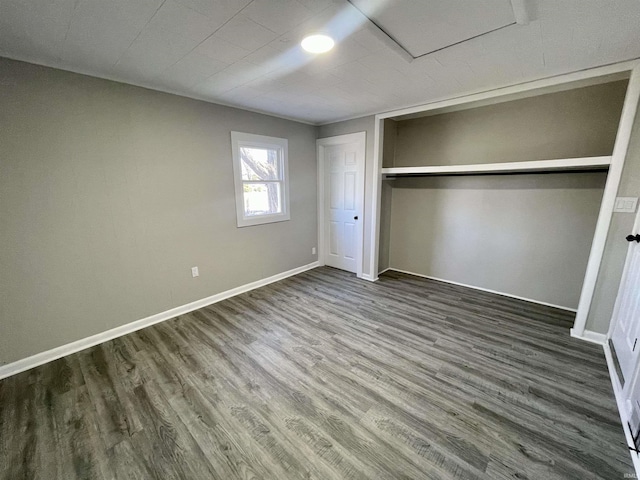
317	43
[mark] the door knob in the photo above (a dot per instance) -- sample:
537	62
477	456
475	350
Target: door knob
631	238
356	217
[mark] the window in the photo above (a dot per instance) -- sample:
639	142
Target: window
261	178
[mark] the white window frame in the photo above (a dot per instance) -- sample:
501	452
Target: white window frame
240	139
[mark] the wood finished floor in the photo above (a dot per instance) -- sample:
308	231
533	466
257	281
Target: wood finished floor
325	376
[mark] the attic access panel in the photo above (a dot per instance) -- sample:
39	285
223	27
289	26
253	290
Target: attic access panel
421	27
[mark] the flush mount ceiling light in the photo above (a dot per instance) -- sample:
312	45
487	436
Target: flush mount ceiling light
317	43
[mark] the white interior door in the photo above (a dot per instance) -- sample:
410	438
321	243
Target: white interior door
626	314
343	165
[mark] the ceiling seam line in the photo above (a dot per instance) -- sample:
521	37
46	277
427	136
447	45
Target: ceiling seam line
139	33
207	38
66	34
392	38
465	40
382	30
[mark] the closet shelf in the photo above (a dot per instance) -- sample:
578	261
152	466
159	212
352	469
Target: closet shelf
585	163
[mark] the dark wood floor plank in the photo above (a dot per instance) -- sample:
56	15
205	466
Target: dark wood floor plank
119	417
326	417
79	453
325	376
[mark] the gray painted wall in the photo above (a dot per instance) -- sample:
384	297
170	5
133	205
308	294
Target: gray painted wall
574	123
389	143
110	193
524	235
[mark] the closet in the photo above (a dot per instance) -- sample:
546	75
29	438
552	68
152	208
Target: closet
503	192
513	191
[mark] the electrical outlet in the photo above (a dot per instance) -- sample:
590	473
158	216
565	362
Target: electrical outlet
195	272
313	250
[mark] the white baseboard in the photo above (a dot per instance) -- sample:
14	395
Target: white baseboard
370	278
617	391
590	336
385	270
73	347
484	289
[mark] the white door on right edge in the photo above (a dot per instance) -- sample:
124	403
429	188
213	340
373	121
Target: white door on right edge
343	185
626	314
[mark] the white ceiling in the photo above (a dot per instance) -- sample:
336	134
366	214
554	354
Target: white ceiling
423	27
246	53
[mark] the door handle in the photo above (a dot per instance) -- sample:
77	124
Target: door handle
631	238
356	217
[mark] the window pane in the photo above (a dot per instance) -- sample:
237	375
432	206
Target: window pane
260	163
262	199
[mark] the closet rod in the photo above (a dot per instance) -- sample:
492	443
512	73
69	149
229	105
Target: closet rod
393	176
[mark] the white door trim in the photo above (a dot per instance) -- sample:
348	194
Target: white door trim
361	139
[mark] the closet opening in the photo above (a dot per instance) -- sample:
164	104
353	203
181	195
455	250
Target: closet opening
503	193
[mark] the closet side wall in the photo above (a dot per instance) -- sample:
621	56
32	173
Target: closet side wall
615	252
524	235
388	153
